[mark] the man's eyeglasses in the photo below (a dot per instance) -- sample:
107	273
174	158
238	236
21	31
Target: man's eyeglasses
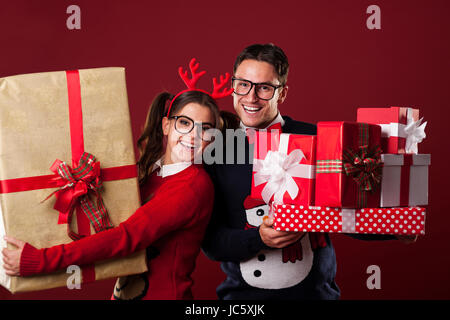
263	90
184	125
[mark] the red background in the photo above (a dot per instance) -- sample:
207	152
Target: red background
337	64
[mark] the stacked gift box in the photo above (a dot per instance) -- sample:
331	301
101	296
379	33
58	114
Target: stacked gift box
71	122
353	177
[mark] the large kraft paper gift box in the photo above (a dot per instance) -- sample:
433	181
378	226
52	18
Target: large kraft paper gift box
52	116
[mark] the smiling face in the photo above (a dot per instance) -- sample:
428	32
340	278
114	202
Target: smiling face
253	111
184	147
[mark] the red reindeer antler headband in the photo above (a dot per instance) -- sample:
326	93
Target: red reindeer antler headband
218	87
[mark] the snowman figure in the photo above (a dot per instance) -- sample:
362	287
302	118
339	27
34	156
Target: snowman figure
273	268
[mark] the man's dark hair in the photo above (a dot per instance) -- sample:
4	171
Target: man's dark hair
269	53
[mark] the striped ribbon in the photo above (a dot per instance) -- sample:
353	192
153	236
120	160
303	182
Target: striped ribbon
329	166
80	182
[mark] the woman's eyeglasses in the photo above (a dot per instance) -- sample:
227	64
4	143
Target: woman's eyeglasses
184	125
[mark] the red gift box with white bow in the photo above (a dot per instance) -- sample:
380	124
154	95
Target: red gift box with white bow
283	167
401	128
398	221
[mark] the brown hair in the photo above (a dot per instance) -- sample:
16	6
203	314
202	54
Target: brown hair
269	53
150	143
229	120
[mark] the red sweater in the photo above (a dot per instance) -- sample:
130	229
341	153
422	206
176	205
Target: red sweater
173	220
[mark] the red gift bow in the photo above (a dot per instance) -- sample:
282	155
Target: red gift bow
364	165
78	182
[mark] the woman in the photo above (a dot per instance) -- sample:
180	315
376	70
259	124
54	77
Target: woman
178	199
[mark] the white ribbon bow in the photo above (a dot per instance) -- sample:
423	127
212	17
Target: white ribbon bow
415	133
278	170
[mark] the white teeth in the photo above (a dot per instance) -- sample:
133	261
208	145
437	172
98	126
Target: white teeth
251	109
187	145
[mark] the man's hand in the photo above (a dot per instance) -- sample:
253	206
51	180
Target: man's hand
11	258
274	238
407	239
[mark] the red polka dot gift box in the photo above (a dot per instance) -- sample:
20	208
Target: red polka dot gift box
395	220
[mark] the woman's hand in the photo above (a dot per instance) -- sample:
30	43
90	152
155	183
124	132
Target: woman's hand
11	258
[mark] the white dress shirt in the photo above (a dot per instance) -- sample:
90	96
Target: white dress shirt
166	170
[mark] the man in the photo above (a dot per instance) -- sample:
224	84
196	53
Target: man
260	262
